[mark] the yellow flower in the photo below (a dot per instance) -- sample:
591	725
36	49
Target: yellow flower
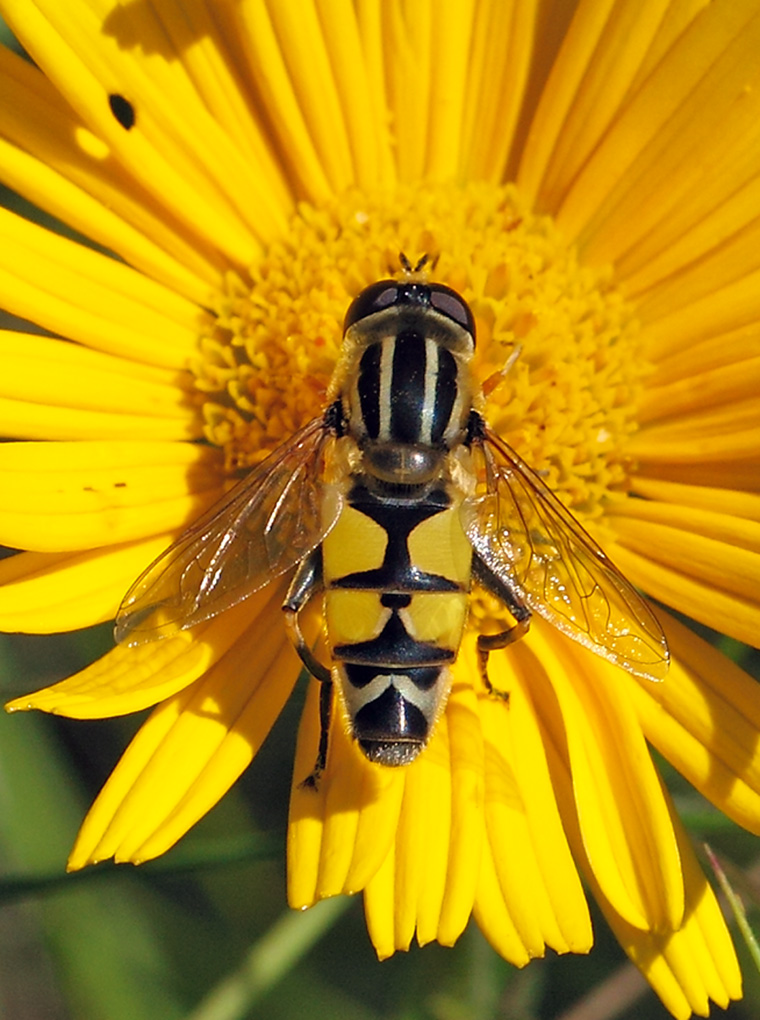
589	180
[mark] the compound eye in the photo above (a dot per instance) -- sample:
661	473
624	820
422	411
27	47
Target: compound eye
372	299
453	306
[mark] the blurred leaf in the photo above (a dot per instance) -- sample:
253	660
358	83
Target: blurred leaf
269	960
109	960
737	907
200	855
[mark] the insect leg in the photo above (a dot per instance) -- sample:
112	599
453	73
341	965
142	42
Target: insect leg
306	583
488	643
325	708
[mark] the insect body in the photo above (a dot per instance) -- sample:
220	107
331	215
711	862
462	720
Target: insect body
390	504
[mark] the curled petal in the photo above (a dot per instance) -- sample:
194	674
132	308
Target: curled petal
407	895
130	679
706	721
192	749
607	776
695	963
527	850
46	593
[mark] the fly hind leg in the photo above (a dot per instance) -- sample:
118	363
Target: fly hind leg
325	710
306	583
488	643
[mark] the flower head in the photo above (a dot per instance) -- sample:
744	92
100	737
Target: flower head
254	167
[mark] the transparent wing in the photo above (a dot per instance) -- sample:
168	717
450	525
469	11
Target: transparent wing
269	522
537	548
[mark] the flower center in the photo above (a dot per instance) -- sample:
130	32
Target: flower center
557	346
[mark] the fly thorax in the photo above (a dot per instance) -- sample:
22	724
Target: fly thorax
407	401
402	465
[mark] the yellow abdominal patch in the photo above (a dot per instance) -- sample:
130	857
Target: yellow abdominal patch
354	616
439	546
355	544
436	617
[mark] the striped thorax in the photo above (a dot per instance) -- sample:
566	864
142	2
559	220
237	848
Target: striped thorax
406	393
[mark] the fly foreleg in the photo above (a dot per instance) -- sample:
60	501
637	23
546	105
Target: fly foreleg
306	583
488	643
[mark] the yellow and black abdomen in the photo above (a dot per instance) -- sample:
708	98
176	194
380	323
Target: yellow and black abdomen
396	574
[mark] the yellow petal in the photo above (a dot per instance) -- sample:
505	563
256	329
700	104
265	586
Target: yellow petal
735	381
451	32
407	892
723	248
307	810
188	163
40	370
408	31
80	473
86	296
192	748
731	614
625	823
302	42
693	964
127	679
361	809
267	64
503	45
423	842
718	440
707	227
635	172
741	531
724	420
601	56
55	162
206	40
45	593
510	852
722	502
705	720
519	792
493	916
715	351
677	318
467	819
127	491
379	908
579	39
725	475
23	419
226	762
726	566
370	21
347	41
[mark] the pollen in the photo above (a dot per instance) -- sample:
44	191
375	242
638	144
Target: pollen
557	350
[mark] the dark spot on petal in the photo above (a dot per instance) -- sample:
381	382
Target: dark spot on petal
119	485
122	110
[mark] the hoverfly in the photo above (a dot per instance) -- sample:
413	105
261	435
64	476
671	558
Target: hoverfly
389	505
